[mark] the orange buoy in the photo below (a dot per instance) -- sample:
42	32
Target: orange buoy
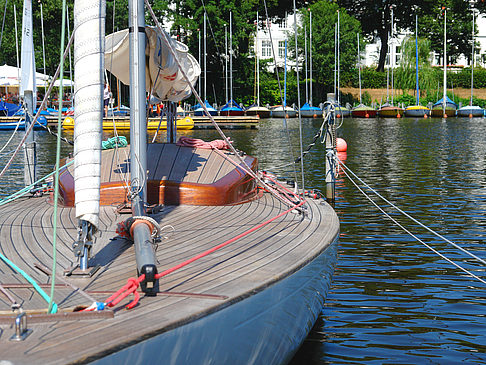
341	145
315	115
367	115
445	115
470	115
398	115
425	116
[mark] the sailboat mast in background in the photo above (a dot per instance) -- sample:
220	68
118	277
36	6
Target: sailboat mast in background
28	90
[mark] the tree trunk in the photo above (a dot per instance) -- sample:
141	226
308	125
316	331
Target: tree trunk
383	50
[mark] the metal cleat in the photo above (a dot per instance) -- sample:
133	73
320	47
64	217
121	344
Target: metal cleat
21	330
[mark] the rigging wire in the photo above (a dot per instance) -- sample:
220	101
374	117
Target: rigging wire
298	98
243	165
289	141
41	107
346	169
58	158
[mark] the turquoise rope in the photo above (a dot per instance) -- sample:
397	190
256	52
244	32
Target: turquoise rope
27	189
30	280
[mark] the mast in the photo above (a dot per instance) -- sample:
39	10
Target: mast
359	72
138	144
445	65
416	59
257	64
392	60
335	62
472	62
285	78
310	57
388	72
199	42
338	67
204	56
28	91
231	57
42	32
226	63
305	56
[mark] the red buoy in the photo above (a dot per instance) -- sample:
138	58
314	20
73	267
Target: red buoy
341	145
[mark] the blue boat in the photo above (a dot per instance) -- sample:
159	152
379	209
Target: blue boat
41	123
308	111
8	109
231	108
438	109
199	111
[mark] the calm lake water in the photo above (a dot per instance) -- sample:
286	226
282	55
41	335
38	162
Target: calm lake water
392	300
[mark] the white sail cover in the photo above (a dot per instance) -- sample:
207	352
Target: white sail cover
89	25
28	74
162	72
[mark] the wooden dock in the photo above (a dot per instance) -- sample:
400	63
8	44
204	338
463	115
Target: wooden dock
243	122
232	294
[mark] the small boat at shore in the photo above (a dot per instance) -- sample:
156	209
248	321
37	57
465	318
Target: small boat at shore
417	111
441	108
363	111
231	109
110	124
390	111
261	111
283	112
20	124
308	111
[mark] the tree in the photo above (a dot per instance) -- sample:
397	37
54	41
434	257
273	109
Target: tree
405	78
324	18
375	19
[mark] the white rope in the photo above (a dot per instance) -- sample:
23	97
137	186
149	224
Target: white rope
406	230
13	134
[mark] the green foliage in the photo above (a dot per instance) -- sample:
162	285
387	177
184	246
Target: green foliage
372	79
366	98
404	99
405	75
324	18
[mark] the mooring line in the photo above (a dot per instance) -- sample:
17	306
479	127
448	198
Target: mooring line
405	229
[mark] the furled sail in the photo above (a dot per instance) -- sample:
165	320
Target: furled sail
88	106
162	73
28	73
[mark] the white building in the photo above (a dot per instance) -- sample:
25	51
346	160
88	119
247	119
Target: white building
372	52
280	30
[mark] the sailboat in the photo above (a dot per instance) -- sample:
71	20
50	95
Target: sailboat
444	107
199	109
256	109
417	110
214	261
362	111
307	110
284	111
471	110
231	108
389	110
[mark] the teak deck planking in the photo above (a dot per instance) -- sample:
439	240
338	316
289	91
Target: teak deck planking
228	275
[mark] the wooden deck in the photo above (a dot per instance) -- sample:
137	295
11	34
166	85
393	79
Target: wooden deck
211	284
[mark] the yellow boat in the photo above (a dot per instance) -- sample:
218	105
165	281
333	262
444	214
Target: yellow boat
124	124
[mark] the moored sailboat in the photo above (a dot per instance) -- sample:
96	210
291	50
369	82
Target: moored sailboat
252	301
471	110
417	110
445	107
361	110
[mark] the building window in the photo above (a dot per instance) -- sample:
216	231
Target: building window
281	49
266	49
